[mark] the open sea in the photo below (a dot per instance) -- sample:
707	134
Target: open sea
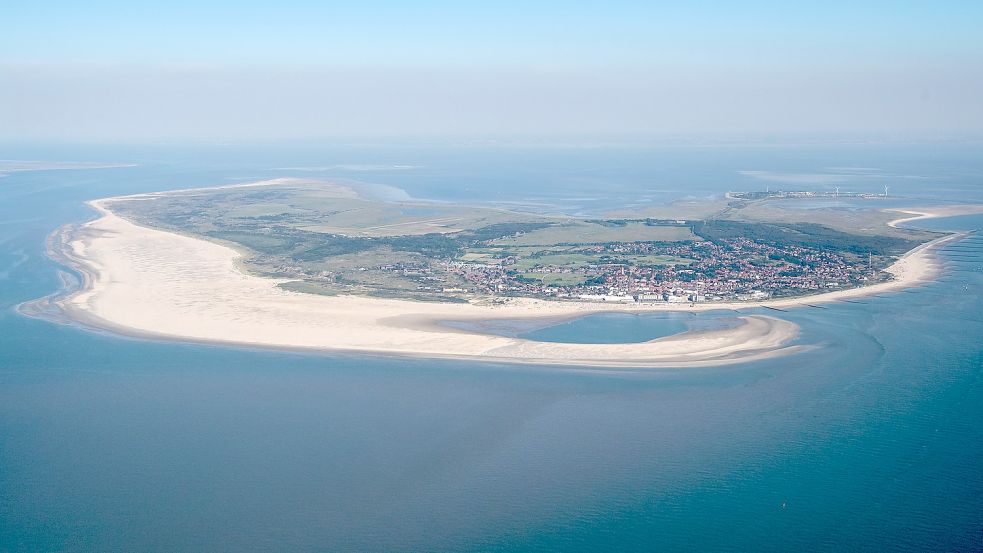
872	441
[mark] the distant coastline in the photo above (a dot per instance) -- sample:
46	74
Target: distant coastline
146	282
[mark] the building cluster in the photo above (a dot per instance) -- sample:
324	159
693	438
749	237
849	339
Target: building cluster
738	269
783	194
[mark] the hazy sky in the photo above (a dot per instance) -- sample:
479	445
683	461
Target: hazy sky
241	70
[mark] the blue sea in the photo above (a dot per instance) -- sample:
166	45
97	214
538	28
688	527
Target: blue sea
871	441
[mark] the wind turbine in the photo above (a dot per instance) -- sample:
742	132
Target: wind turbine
836	194
885	190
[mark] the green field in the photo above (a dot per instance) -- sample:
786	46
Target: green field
559	260
375	219
584	232
480	257
264	210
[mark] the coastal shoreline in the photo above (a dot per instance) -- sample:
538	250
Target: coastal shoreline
117	287
917	214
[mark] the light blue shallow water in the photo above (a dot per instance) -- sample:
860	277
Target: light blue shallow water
625	328
872	441
600	328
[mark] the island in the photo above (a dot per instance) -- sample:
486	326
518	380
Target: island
331	266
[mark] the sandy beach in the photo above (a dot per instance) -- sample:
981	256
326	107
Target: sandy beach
147	282
937	211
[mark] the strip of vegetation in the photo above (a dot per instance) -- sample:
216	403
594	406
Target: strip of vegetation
301	245
808	235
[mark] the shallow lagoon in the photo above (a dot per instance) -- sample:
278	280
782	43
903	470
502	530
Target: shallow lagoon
602	328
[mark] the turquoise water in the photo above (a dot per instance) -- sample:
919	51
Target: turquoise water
871	441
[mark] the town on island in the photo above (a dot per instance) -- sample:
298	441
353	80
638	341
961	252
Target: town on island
331	239
327	266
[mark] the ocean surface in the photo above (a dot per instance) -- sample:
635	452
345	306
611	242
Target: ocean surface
872	441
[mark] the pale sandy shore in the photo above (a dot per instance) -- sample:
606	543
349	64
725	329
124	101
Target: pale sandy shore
148	282
916	214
